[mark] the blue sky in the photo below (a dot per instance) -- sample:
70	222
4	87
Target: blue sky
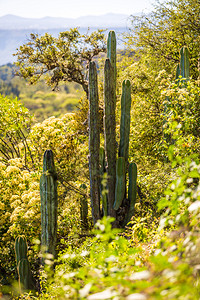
72	8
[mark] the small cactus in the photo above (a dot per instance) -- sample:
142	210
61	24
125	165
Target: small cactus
25	277
184	63
132	190
48	195
20	248
23	268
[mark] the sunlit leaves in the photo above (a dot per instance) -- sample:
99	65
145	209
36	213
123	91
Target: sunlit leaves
64	58
15	123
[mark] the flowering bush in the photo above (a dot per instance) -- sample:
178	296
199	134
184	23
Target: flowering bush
19	183
19	208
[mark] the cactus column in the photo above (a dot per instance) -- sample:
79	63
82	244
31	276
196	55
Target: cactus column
23	268
184	63
94	142
110	133
125	120
48	194
111	54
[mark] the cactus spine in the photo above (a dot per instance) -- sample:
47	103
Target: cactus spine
94	142
23	267
48	195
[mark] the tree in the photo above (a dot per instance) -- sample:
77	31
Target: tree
64	58
162	33
15	124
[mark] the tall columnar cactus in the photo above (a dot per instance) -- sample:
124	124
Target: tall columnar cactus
110	133
111	54
94	142
115	204
48	195
23	267
125	120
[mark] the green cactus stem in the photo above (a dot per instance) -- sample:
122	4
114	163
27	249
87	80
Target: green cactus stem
110	134
102	162
125	120
94	142
48	194
132	192
184	63
25	277
103	185
23	268
20	248
120	182
111	54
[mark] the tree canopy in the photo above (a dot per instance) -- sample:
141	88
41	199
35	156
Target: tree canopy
62	58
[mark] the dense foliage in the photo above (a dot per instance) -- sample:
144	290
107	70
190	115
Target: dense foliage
162	33
65	58
39	98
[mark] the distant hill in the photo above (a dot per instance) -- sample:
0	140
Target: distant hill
108	20
14	30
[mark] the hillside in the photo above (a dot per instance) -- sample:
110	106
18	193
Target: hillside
39	98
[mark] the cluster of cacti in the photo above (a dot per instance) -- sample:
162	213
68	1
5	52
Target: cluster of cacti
23	267
114	203
48	195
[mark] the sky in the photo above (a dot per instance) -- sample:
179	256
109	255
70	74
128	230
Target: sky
72	8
